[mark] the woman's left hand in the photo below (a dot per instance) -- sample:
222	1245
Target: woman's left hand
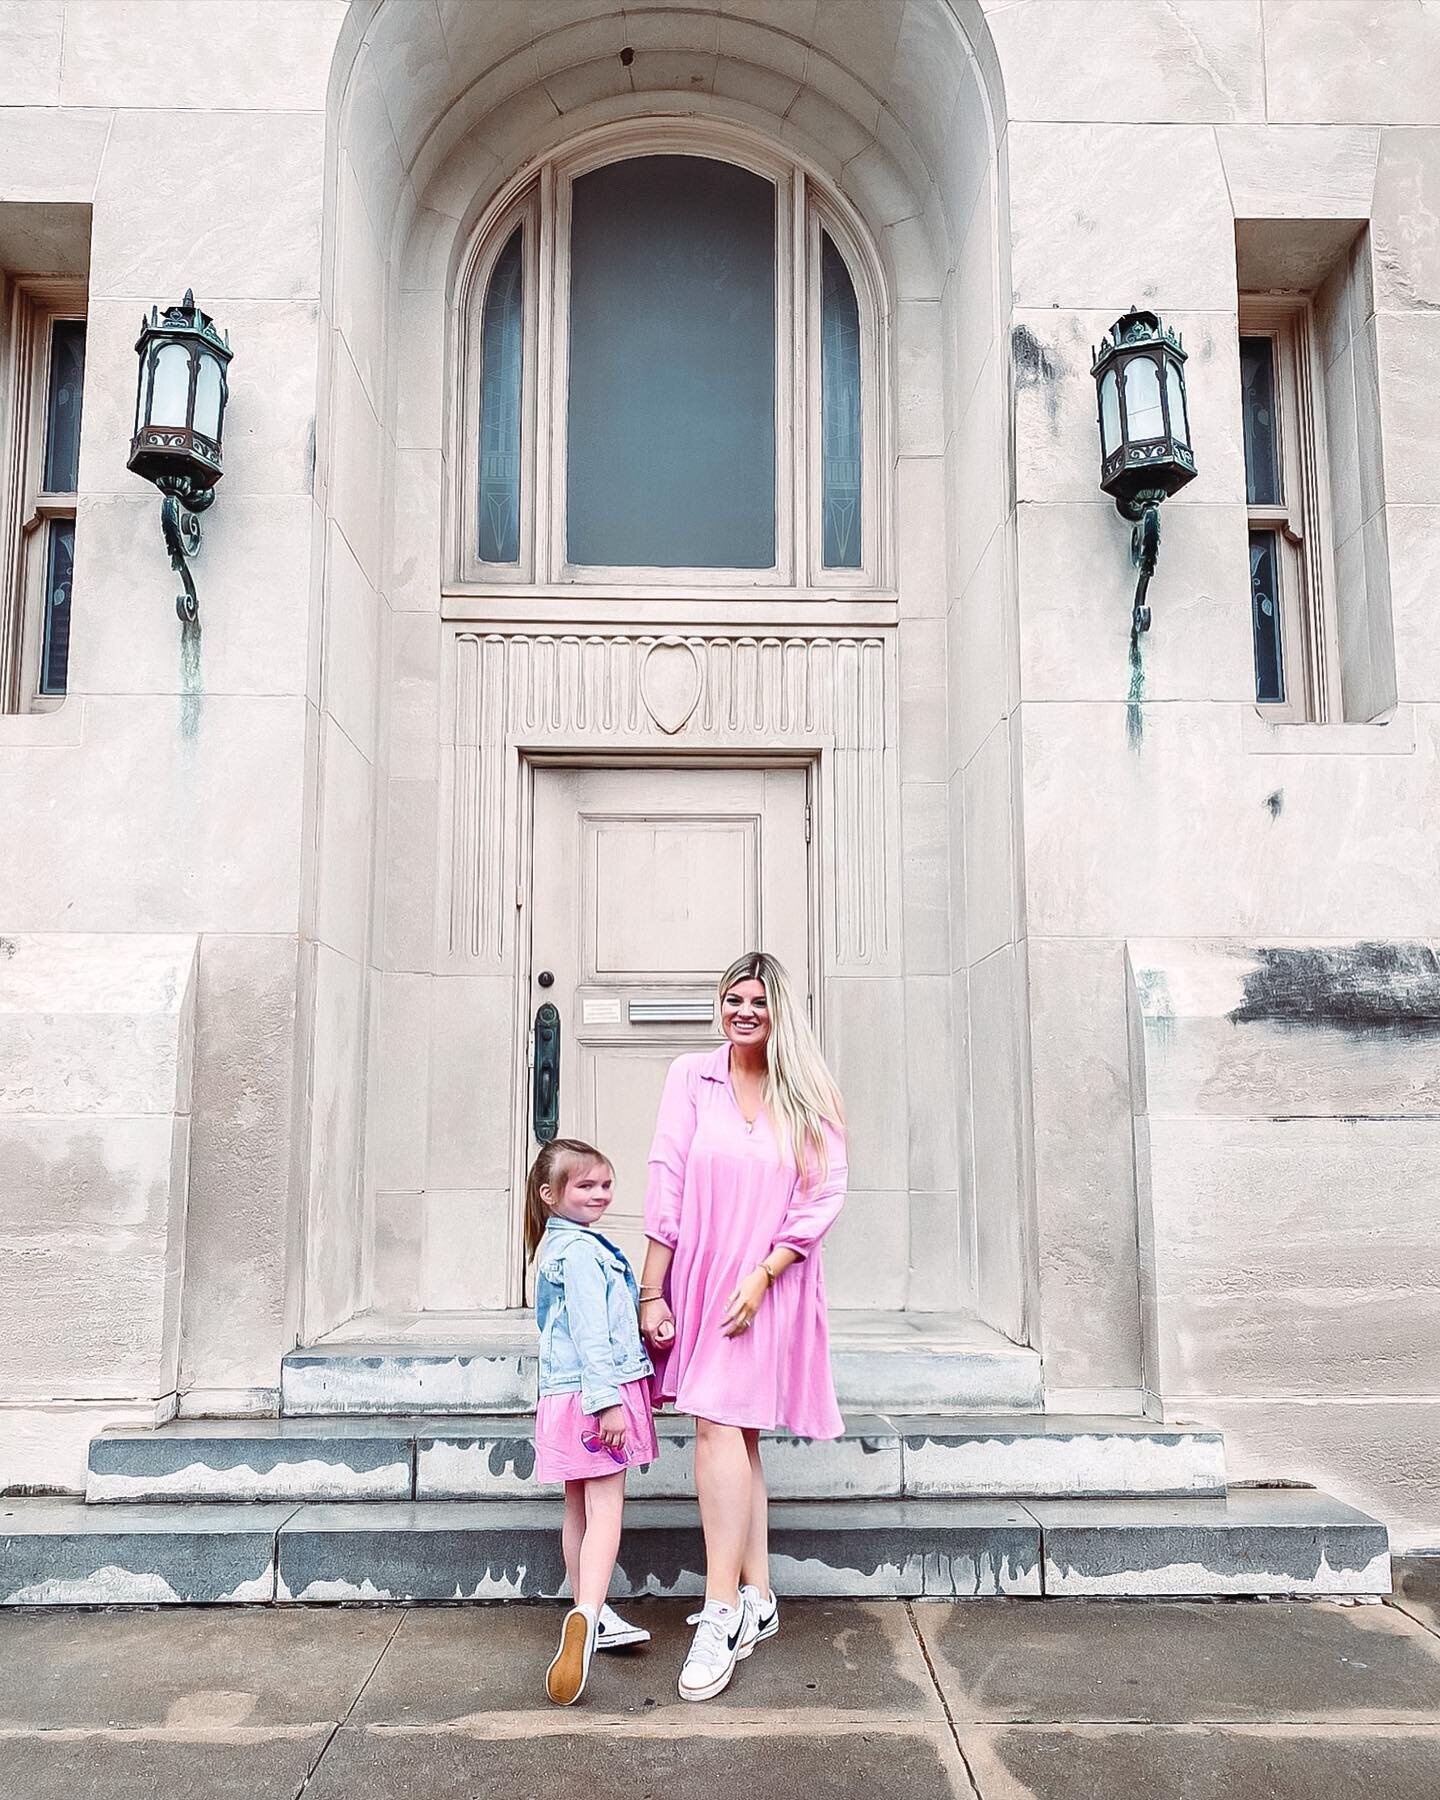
745	1303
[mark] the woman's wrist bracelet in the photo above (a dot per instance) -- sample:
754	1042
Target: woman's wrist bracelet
769	1273
645	1299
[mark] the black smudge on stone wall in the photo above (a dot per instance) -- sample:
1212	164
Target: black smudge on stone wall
1363	988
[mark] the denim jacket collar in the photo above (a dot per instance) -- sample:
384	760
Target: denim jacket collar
557	1229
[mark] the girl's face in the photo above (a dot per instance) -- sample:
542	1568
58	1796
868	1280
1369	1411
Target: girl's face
585	1196
744	1014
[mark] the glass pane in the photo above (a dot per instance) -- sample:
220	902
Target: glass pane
1257	399
1175	397
59	566
170	397
1143	416
840	421
1265	610
502	348
62	418
672	366
207	397
1110	412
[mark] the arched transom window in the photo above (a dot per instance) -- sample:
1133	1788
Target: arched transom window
672	363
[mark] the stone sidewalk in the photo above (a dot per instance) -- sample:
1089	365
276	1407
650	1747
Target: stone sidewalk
1007	1699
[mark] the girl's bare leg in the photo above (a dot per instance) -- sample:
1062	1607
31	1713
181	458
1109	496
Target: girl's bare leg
604	1501
755	1564
572	1531
723	1484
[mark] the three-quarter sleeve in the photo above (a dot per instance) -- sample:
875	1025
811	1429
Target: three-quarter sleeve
674	1130
814	1208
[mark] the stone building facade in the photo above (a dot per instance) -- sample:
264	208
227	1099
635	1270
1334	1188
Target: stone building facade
1129	976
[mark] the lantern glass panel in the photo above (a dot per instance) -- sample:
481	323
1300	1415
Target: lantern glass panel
208	390
170	387
1110	412
1143	415
1175	394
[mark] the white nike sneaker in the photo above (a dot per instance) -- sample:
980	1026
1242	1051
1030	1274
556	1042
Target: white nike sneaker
614	1633
565	1678
766	1614
723	1634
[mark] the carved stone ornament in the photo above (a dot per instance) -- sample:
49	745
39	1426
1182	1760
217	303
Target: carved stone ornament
670	684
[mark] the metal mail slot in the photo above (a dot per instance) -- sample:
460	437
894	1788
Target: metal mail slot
672	1012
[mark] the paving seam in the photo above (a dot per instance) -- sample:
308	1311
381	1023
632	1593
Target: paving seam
924	1649
667	1725
334	1731
1397	1602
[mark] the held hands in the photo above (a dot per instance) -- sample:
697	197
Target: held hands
745	1303
657	1322
610	1427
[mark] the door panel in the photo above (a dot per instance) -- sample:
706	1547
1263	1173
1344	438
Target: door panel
646	884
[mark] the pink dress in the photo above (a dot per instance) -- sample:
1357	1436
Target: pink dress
722	1198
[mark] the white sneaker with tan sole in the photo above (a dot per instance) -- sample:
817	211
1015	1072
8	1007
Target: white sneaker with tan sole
724	1635
565	1678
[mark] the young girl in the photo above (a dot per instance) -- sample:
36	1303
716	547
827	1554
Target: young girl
593	1419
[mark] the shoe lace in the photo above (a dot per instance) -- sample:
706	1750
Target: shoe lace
709	1638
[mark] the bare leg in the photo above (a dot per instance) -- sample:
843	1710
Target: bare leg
755	1565
723	1482
572	1531
604	1509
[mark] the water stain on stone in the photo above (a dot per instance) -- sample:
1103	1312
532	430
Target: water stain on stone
1362	988
1275	803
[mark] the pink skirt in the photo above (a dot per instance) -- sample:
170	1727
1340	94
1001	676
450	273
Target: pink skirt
561	1421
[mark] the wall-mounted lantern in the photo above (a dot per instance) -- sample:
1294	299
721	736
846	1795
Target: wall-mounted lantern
1145	452
179	423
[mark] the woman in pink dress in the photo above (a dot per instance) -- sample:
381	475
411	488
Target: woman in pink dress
747	1174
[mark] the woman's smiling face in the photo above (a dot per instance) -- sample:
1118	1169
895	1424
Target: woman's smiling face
745	1014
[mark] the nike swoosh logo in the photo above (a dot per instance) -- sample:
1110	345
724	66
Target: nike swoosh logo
731	1642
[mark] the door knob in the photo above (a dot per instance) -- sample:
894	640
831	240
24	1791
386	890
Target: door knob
545	978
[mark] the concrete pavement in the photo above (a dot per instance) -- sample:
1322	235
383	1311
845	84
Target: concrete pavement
1004	1699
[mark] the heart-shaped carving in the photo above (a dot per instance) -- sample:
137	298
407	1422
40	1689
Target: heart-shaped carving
670	684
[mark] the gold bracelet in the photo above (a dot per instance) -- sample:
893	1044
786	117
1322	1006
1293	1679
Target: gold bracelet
645	1299
769	1274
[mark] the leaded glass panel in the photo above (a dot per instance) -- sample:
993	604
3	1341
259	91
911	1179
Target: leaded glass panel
59	568
502	361
1257	395
841	431
62	419
1265	612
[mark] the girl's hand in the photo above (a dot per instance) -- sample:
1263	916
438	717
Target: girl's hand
657	1322
610	1427
745	1303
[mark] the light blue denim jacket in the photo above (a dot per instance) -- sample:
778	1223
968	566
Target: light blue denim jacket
588	1309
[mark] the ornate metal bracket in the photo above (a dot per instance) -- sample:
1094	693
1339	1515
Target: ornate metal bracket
180	522
1144	509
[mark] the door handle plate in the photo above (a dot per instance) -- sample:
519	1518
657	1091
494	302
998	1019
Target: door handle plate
545	1095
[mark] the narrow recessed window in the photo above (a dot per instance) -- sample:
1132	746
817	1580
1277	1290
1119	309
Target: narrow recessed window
59	570
62	422
1257	393
501	382
670	426
841	421
1265	618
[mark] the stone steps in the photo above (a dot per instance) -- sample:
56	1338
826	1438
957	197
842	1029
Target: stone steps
1272	1542
882	1362
489	1457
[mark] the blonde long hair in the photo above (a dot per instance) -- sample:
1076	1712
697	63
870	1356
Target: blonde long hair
800	1092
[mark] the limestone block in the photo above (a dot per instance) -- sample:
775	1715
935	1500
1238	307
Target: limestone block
370	143
997	1082
858	1271
399	1221
1288	1030
179	777
971	311
94	1145
924	747
1108	60
354	467
252	1460
1109	853
47	155
930	1058
346	834
258	234
397	1124
1413	534
467	1250
269	420
982	651
411	67
253	580
991	900
1057	441
1129	251
1409	357
1351	60
416	551
43	1448
1407	199
1084	1179
581	84
410	857
421	372
919	379
920	536
818	127
472	1047
1077	589
61	1553
941	1279
865	1040
237	1321
351	660
910	253
980	473
1299	171
31	33
334	1225
925	877
361	278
